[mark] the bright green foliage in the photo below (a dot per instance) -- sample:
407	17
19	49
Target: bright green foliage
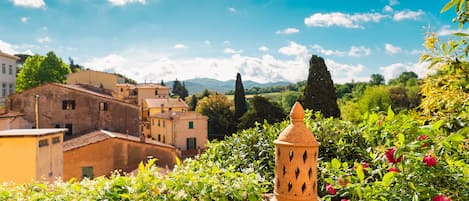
190	181
38	70
375	98
319	93
262	109
405	78
239	99
220	115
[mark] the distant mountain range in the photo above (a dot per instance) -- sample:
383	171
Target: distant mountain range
198	85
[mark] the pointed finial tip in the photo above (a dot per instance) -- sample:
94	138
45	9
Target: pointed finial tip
297	112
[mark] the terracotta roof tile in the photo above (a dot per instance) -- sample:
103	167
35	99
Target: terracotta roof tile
167	102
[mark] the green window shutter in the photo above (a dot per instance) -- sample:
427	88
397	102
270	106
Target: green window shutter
191	124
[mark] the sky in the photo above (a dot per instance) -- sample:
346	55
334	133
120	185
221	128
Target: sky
264	40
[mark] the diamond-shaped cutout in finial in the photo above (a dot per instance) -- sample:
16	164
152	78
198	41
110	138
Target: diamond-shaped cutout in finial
305	156
290	155
290	186
303	187
297	172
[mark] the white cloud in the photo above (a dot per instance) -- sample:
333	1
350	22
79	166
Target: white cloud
359	51
288	31
232	51
7	47
327	52
207	42
407	14
294	49
342	19
263	49
342	73
45	39
388	9
124	2
391	49
24	19
446	31
394	70
226	42
232	10
180	46
15	49
393	2
29	3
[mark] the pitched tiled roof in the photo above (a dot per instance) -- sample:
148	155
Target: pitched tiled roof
177	115
10	114
167	102
151	85
101	135
3	54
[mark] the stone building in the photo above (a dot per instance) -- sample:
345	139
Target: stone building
116	152
78	109
7	75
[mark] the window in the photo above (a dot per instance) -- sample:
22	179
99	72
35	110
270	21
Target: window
164	123
69	129
191	124
4	90
103	106
158	123
55	140
191	143
159	138
122	89
152	122
57	126
10	70
156	92
164	139
87	172
3	69
10	89
68	105
43	143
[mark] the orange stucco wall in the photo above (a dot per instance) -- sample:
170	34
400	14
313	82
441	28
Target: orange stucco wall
107	80
14	123
113	154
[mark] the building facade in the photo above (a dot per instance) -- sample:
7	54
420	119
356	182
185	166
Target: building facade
13	120
7	75
135	94
116	152
95	78
187	131
77	109
31	154
152	106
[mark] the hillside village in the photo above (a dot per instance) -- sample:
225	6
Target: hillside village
91	126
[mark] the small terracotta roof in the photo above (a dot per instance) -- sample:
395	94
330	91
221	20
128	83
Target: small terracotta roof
167	102
89	70
11	114
101	135
31	132
3	54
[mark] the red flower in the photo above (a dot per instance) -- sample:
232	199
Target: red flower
441	198
365	165
390	156
429	160
345	199
422	137
331	189
393	169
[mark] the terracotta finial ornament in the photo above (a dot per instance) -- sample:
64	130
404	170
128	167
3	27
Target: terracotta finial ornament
296	154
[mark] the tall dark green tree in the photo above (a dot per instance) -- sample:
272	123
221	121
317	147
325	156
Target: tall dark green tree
73	66
262	109
39	69
162	83
377	79
193	102
319	93
179	89
239	98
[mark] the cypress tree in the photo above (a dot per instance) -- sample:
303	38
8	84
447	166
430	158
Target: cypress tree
319	93
193	102
239	98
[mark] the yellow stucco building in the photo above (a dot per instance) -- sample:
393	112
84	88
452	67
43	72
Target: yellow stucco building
31	154
95	78
135	94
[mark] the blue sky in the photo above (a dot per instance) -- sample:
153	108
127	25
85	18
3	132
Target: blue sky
264	40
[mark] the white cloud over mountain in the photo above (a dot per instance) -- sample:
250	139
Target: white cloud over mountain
342	19
29	3
125	2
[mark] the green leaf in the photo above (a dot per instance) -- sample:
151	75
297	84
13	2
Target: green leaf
456	138
390	113
461	34
335	164
401	138
360	173
387	179
449	5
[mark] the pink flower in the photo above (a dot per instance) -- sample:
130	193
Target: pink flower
429	160
331	189
345	199
441	198
393	169
365	165
422	137
390	156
